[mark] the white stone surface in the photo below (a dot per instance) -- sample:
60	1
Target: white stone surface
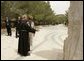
47	44
73	45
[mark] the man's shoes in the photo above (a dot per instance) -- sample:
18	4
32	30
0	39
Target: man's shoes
16	36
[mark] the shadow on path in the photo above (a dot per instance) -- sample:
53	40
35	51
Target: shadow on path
55	54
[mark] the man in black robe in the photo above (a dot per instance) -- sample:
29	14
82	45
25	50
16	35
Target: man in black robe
8	26
24	40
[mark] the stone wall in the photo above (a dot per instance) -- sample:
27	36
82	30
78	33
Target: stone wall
73	45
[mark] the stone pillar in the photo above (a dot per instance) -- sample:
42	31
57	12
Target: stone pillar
73	45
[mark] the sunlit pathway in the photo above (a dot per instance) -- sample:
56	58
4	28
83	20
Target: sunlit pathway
47	44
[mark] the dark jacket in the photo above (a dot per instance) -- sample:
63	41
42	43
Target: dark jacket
17	23
8	23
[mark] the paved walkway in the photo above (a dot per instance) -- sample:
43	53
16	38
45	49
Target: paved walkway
47	44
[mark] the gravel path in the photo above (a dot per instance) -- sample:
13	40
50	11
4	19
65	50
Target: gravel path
47	44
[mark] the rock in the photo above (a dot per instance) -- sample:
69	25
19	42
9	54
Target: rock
73	45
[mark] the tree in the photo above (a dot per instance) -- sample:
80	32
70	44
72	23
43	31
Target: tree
40	10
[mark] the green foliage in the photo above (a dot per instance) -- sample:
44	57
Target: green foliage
40	10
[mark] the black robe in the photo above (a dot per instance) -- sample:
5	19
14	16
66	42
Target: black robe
24	41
